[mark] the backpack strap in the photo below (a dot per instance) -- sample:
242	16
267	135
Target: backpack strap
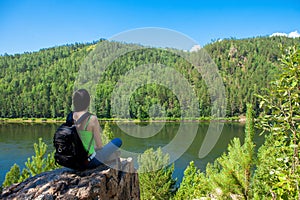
82	117
87	123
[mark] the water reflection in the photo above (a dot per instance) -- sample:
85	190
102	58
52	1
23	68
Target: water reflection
16	142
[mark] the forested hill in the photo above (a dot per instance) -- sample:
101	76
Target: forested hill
40	84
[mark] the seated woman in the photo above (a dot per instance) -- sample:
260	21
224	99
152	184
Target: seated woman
89	131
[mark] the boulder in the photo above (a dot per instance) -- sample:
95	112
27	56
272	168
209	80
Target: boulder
119	182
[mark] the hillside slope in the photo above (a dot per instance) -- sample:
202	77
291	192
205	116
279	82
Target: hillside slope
40	84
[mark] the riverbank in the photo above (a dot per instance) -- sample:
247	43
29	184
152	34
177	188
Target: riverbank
31	120
240	119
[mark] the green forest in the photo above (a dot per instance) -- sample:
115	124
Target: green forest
40	84
262	81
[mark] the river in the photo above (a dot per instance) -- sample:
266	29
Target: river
17	139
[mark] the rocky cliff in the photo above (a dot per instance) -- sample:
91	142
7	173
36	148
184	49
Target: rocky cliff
100	183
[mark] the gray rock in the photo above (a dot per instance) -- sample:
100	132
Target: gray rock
119	182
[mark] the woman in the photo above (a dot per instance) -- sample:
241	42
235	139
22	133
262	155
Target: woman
89	131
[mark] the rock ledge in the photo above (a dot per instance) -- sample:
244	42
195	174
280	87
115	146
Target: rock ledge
100	183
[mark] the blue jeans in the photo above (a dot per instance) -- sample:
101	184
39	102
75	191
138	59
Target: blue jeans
106	153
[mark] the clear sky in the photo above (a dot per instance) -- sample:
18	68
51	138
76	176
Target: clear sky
30	25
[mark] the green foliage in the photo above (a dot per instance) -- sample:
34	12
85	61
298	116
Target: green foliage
278	171
247	66
194	184
230	175
233	170
36	165
12	176
107	134
44	80
24	175
155	175
40	163
249	155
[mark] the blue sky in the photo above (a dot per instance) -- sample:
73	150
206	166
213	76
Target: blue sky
30	25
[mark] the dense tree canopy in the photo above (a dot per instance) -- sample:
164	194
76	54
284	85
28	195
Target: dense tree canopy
40	84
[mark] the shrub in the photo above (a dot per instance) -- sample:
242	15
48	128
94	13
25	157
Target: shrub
155	175
34	165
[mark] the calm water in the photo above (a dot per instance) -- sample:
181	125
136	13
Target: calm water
16	142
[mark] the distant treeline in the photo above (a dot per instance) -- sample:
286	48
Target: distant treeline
40	84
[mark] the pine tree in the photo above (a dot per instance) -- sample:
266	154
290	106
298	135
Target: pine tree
12	176
155	175
232	172
249	151
36	165
40	163
194	184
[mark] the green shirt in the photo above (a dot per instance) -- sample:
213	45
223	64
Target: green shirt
87	138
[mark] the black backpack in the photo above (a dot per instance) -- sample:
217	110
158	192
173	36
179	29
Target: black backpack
69	150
